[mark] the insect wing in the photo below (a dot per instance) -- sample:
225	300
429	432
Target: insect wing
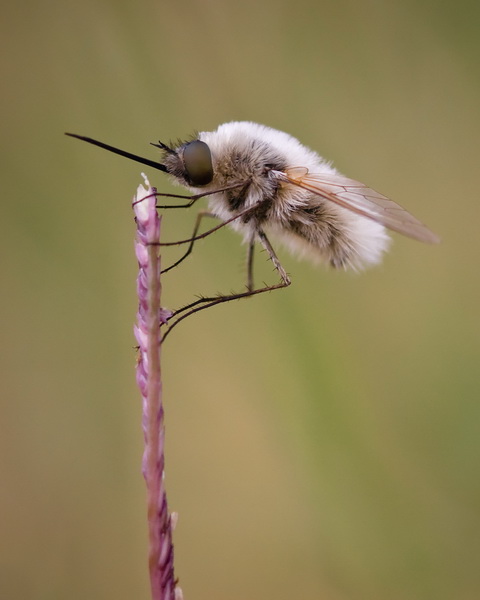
359	198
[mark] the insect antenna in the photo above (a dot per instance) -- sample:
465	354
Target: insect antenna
163	146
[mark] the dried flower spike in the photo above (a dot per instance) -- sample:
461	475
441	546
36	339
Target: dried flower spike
147	332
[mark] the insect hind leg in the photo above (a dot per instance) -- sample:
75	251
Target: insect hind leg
207	302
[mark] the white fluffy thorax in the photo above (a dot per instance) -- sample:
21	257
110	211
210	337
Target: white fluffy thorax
238	151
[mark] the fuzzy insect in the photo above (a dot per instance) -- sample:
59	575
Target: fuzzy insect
263	181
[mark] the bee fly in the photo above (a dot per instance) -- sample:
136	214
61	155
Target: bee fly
260	180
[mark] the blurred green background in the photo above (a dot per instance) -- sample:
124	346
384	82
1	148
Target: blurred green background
323	441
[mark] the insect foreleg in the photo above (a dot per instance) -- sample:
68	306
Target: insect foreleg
195	197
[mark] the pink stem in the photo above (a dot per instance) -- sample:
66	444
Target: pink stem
150	317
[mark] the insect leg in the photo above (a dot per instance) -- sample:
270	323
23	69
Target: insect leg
274	258
243	213
250	255
194	237
194	198
204	302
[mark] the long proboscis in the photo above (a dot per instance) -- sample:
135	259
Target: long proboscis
140	159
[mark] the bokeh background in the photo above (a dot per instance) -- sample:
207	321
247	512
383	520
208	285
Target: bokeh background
323	441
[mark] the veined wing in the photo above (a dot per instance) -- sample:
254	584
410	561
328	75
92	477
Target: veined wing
359	198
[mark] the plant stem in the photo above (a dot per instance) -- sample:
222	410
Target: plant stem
147	331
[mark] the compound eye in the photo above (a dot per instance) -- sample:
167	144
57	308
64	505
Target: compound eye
198	163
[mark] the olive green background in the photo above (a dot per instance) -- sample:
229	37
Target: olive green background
322	441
